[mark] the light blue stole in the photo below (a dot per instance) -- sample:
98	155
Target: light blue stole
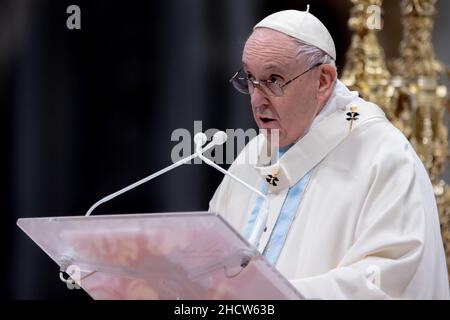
285	218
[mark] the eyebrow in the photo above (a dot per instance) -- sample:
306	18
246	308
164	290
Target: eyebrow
267	67
273	67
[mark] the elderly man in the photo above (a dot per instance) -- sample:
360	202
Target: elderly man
352	214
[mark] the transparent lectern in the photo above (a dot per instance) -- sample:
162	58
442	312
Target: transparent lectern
193	255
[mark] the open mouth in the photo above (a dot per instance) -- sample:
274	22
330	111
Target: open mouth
266	120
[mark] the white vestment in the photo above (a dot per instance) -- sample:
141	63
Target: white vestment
367	226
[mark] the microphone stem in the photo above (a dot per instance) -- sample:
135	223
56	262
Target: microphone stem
225	172
144	180
137	183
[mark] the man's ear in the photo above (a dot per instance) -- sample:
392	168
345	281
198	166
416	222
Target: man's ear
327	76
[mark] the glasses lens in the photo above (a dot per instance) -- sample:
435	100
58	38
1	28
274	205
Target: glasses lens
274	89
244	85
240	83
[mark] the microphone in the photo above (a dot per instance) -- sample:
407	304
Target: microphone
198	138
219	138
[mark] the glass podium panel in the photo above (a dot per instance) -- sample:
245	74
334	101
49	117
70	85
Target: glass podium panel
191	255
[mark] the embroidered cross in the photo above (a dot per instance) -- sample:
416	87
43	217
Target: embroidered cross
352	115
272	179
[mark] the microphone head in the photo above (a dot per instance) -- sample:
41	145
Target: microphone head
200	139
219	137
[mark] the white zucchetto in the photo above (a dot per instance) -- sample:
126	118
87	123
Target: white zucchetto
301	25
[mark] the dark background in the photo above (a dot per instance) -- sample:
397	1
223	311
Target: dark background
87	112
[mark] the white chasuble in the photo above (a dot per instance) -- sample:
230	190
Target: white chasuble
367	225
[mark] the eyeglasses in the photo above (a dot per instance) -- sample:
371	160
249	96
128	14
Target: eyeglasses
273	88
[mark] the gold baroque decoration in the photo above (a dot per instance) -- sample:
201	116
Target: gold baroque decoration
409	93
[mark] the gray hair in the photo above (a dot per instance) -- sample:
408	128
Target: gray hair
313	55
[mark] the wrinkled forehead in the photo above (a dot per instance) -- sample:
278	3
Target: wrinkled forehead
267	46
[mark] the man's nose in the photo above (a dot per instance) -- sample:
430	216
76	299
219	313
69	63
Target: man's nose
258	97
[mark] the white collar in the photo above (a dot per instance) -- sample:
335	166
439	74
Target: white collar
340	97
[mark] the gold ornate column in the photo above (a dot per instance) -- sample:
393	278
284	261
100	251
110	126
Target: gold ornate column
416	74
365	70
